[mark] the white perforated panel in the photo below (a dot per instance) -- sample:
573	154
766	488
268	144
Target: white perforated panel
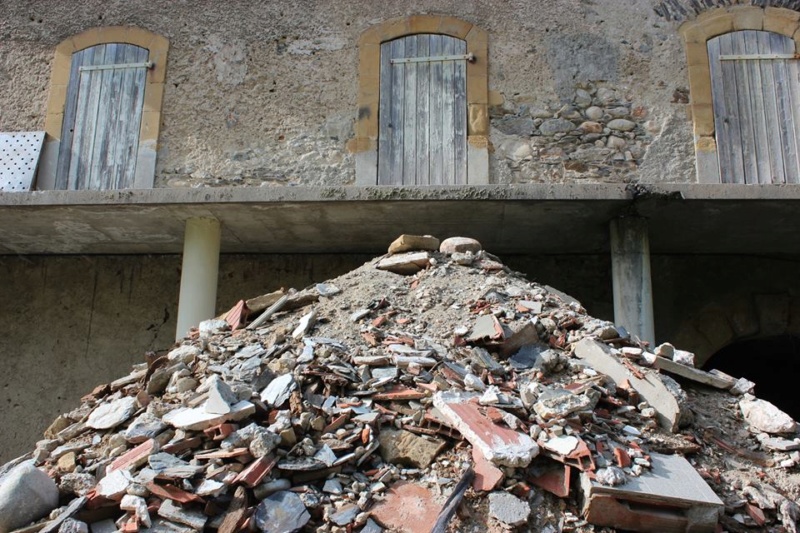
19	156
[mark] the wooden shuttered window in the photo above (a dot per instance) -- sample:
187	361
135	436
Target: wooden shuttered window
422	137
102	118
756	101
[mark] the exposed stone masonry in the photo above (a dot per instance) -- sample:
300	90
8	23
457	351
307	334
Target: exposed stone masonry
599	135
681	10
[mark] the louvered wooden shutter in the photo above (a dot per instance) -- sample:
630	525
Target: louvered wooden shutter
756	107
102	118
422	139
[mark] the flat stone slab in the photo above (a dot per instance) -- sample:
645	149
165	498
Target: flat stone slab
600	357
639	504
197	419
691	373
408	243
112	414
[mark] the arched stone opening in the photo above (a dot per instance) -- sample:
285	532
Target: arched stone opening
772	363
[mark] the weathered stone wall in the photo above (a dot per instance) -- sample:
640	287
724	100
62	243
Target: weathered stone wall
264	93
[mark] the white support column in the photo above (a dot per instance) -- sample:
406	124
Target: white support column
631	279
198	296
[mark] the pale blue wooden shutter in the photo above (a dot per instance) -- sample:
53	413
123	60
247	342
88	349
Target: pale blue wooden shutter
422	137
756	99
102	118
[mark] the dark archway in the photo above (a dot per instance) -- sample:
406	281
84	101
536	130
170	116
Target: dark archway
772	363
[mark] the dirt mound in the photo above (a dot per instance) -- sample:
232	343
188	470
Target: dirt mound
423	391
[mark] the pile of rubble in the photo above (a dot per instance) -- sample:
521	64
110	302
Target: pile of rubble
432	389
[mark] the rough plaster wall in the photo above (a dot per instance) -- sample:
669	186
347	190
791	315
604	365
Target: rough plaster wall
264	93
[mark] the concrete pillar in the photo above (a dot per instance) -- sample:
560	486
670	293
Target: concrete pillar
198	297
630	273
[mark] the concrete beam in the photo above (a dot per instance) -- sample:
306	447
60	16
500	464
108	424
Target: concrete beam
631	279
198	296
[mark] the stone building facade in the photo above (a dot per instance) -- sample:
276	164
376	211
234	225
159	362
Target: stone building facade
264	116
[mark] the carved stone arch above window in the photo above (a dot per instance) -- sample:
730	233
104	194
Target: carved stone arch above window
430	50
104	110
745	93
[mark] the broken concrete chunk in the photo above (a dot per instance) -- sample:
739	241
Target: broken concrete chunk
409	263
26	494
559	403
185	354
599	356
220	396
743	386
211	327
639	504
188	517
114	485
562	445
278	390
500	445
508	509
689	372
460	245
683	357
109	415
764	416
611	476
405	448
282	512
407	243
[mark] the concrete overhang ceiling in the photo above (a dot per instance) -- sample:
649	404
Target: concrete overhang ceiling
524	219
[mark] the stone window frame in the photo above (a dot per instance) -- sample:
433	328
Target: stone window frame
696	34
365	143
157	47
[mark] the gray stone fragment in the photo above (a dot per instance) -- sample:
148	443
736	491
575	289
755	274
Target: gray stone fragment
405	448
26	494
220	396
188	517
70	525
145	426
371	527
508	509
278	391
621	124
282	512
109	415
332	486
271	487
512	125
345	515
594	113
556	125
556	403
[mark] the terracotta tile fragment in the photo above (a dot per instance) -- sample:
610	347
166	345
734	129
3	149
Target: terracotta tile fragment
171	492
134	457
408	507
487	476
256	471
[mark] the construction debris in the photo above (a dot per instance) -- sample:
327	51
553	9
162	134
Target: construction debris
420	383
